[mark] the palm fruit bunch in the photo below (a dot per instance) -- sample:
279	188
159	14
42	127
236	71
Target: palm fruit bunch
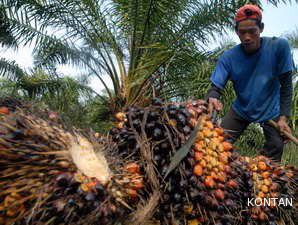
273	192
53	176
216	176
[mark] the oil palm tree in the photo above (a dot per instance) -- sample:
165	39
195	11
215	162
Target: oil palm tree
131	42
62	94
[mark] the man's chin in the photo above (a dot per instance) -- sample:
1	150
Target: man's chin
249	50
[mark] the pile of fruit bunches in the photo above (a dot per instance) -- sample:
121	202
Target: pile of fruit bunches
273	190
207	186
212	184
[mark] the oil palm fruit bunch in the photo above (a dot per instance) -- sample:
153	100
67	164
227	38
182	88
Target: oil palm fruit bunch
273	193
52	176
216	177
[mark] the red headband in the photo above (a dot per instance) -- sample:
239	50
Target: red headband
248	12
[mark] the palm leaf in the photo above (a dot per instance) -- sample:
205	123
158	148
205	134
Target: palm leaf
11	70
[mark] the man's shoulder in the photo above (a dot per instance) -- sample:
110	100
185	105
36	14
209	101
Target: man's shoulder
276	41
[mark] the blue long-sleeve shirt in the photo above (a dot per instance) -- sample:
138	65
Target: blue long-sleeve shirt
262	81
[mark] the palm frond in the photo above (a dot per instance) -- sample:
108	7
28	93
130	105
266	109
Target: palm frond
11	70
6	37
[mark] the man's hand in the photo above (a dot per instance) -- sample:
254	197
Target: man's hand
283	125
214	103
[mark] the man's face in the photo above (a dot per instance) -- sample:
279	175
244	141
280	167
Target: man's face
249	34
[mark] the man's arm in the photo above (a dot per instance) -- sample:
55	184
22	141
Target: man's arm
218	79
286	92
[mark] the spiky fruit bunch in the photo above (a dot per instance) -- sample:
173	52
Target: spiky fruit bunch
53	176
273	189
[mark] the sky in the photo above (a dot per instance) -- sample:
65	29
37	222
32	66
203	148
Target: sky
278	22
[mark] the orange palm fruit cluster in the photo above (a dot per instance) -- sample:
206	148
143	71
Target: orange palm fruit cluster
269	180
262	175
135	180
212	155
11	207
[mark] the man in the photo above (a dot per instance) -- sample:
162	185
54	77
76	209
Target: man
260	69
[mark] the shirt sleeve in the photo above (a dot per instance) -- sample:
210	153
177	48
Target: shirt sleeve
285	60
213	92
286	93
220	75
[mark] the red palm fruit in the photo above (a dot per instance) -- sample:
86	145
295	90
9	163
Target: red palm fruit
223	158
262	166
198	146
262	195
228	169
132	168
221	138
209	182
4	110
199	156
219	194
203	163
265	174
137	184
221	177
232	184
268	182
227	146
132	193
207	133
219	131
198	170
214	175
